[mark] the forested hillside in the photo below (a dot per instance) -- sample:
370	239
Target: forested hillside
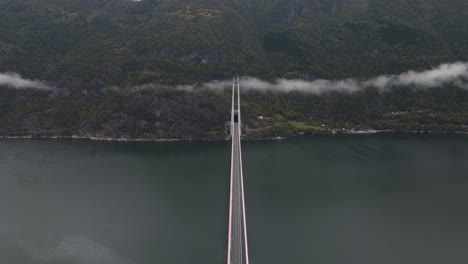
94	53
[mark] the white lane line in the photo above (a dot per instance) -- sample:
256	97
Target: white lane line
232	168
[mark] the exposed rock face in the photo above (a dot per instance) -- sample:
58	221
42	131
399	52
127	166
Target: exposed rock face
152	114
212	57
340	6
355	5
158	115
296	7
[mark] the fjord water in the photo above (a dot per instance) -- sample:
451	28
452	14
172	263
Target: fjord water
348	199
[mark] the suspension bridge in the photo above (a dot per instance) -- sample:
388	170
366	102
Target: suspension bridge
237	236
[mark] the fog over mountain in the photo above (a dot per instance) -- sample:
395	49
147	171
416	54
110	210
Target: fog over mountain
446	74
14	80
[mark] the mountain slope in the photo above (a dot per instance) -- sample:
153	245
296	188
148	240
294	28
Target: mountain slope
180	41
85	48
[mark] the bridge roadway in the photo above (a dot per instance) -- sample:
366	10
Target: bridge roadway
237	241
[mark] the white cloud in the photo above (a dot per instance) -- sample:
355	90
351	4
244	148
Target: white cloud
14	80
445	74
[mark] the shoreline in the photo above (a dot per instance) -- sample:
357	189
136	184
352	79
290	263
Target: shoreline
328	133
93	138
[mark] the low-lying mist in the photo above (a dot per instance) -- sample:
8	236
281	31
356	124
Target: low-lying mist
445	74
454	74
15	81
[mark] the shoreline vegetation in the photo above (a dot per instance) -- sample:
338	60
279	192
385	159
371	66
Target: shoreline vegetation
246	138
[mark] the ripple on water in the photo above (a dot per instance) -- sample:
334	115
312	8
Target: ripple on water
26	180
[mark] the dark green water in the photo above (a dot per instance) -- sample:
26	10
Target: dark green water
396	199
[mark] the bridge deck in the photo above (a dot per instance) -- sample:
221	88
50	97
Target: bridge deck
237	242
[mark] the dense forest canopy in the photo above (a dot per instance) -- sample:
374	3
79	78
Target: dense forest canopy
183	40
